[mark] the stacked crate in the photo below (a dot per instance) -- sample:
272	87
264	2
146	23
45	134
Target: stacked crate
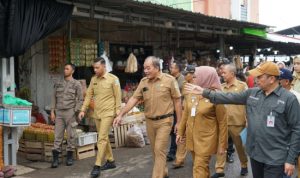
86	145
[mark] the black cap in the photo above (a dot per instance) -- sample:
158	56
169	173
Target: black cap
189	69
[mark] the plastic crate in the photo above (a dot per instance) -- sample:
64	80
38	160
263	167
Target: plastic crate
14	116
87	138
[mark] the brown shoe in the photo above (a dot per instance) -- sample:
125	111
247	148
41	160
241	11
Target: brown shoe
177	165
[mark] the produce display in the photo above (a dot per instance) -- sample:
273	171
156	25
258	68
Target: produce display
57	53
83	51
39	132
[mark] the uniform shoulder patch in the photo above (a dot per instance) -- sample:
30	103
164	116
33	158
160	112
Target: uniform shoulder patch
116	81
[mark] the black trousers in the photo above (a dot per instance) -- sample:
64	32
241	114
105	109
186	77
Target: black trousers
230	149
262	170
173	145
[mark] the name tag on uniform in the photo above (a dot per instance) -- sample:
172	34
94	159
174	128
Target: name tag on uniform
271	120
193	112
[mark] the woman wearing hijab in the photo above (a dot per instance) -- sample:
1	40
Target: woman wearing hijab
204	123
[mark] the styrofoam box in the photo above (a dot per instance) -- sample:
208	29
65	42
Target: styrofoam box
14	116
87	138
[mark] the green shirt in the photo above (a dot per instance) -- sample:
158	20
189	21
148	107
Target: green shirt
270	145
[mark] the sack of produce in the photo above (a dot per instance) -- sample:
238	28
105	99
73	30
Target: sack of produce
135	137
132	64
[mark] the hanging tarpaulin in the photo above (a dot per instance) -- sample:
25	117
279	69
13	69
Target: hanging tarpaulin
24	22
256	32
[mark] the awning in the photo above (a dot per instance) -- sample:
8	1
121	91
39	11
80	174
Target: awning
281	38
270	36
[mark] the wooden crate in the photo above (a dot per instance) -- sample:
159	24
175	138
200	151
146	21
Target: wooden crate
34	156
85	151
34	150
119	135
34	144
22	147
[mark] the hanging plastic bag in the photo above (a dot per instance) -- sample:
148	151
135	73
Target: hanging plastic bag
132	65
107	62
135	137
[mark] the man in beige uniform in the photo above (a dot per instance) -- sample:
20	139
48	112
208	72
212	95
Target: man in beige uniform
105	89
67	100
236	121
181	151
175	71
161	95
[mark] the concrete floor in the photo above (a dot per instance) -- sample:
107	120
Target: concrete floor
131	163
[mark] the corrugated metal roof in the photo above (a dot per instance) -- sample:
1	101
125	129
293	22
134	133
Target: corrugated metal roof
290	31
159	10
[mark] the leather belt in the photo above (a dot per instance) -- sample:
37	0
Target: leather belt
160	117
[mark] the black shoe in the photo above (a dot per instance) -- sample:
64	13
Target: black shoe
108	165
230	158
217	175
244	171
69	161
170	157
55	161
95	172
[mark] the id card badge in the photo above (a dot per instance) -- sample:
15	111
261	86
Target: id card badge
271	120
193	112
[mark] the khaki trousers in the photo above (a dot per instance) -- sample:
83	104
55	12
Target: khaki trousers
158	132
234	132
200	166
65	120
103	126
181	152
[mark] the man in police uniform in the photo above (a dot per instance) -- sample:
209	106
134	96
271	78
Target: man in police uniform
105	89
67	100
161	95
236	118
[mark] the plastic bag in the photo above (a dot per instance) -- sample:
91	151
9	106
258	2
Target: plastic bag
135	137
10	100
145	135
107	62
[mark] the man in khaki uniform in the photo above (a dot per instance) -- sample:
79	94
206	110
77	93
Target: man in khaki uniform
67	100
236	121
161	95
175	71
105	89
181	147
